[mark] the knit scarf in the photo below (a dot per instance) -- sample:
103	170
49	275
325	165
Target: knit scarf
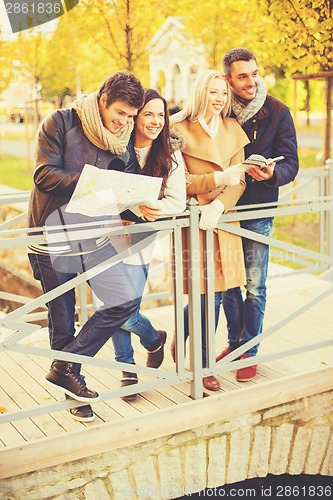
86	107
243	111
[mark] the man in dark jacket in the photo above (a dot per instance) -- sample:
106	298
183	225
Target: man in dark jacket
95	131
269	126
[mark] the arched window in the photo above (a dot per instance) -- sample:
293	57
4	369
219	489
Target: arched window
160	84
176	84
192	74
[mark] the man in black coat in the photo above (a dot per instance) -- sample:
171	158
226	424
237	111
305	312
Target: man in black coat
270	129
94	131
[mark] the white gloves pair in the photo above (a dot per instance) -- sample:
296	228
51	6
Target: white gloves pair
230	176
210	214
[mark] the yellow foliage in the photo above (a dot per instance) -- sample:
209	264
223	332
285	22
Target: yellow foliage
99	37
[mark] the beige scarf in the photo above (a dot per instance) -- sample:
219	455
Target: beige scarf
86	107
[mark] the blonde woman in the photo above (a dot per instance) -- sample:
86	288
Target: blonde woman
213	153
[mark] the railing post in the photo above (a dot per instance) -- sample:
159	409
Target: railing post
178	300
322	215
194	300
329	215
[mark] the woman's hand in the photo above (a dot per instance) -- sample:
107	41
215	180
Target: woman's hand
150	212
210	214
230	176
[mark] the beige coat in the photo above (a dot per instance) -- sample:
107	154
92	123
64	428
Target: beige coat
203	156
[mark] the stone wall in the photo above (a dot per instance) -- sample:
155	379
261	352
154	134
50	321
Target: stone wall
291	438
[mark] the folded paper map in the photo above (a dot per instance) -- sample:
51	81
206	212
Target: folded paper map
109	192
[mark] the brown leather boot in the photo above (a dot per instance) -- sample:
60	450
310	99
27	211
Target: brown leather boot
81	413
129	379
67	377
156	352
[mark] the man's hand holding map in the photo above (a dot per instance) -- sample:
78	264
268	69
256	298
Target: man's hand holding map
108	192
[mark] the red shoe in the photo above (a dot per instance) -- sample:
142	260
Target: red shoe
211	383
225	353
173	348
247	373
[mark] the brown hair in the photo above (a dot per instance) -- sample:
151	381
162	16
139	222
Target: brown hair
159	160
237	54
124	87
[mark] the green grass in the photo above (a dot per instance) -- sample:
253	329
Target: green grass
298	229
307	157
302	242
15	135
16	172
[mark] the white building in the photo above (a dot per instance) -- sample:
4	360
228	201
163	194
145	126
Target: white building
175	60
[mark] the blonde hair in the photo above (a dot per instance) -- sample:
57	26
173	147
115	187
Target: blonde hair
196	104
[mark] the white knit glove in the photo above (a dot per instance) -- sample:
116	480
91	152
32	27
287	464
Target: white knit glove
210	214
230	176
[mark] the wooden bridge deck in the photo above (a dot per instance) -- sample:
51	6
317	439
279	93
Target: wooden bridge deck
42	441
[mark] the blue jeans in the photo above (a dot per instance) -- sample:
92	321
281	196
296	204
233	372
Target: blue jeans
245	317
137	323
217	306
113	287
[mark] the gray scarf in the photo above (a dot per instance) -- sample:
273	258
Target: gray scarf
243	111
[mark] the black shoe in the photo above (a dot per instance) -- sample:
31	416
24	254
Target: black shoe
129	379
156	353
81	413
67	376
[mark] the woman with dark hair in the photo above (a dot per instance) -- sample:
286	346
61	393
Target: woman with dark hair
158	156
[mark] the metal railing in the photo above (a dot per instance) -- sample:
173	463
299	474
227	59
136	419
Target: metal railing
19	321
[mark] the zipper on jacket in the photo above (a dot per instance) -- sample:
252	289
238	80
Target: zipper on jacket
255	130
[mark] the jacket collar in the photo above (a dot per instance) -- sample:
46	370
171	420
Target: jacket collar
228	141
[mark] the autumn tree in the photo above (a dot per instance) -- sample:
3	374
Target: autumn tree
74	65
123	29
304	32
223	24
6	65
29	49
99	37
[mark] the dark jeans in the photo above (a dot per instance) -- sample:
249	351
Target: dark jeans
217	306
137	322
245	317
112	286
